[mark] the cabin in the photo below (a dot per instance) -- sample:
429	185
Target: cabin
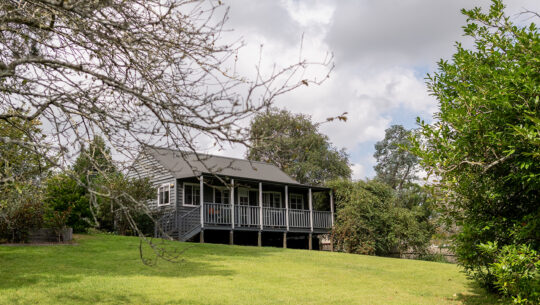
200	194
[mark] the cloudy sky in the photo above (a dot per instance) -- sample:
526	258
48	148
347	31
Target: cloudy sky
382	52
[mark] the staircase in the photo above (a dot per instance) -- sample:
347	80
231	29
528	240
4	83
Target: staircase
180	225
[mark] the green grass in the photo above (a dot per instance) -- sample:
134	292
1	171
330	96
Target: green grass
105	269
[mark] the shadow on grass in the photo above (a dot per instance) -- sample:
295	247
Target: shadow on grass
479	296
101	297
114	256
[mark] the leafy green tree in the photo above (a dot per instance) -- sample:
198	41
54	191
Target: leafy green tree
64	193
396	166
293	143
368	220
96	194
21	161
484	147
22	167
124	204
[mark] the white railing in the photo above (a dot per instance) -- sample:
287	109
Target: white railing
322	219
274	217
217	213
249	216
299	218
245	215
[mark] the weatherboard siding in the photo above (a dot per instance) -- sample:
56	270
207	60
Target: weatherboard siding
147	167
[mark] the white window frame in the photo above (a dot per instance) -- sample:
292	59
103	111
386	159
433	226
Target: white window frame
193	185
296	196
164	186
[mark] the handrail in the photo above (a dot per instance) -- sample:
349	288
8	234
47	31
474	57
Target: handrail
165	224
217	213
274	217
246	216
322	219
299	218
189	221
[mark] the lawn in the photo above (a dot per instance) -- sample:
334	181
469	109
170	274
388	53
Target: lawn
104	269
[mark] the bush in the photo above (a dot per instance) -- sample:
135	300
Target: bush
370	220
57	220
124	210
21	210
62	193
483	147
517	274
434	257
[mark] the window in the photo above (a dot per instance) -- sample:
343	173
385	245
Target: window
221	195
296	201
164	192
243	196
272	199
192	194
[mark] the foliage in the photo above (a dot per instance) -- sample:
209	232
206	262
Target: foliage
94	160
20	162
516	271
95	194
396	166
137	73
368	220
21	210
484	147
293	143
63	193
256	276
433	257
123	209
57	221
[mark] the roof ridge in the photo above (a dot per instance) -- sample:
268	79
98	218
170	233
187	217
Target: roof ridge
217	156
161	154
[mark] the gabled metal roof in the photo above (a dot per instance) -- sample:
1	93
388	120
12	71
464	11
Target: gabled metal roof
187	164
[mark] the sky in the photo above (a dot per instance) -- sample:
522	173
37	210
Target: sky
382	52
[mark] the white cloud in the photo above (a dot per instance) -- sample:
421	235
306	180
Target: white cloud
382	51
358	171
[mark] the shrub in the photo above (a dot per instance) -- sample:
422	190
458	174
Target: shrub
434	257
57	220
62	193
21	210
517	274
370	220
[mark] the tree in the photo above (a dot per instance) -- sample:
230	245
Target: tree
138	73
94	160
484	147
20	163
369	220
293	143
62	192
396	166
124	206
95	194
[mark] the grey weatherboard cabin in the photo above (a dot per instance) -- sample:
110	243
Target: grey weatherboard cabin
199	192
